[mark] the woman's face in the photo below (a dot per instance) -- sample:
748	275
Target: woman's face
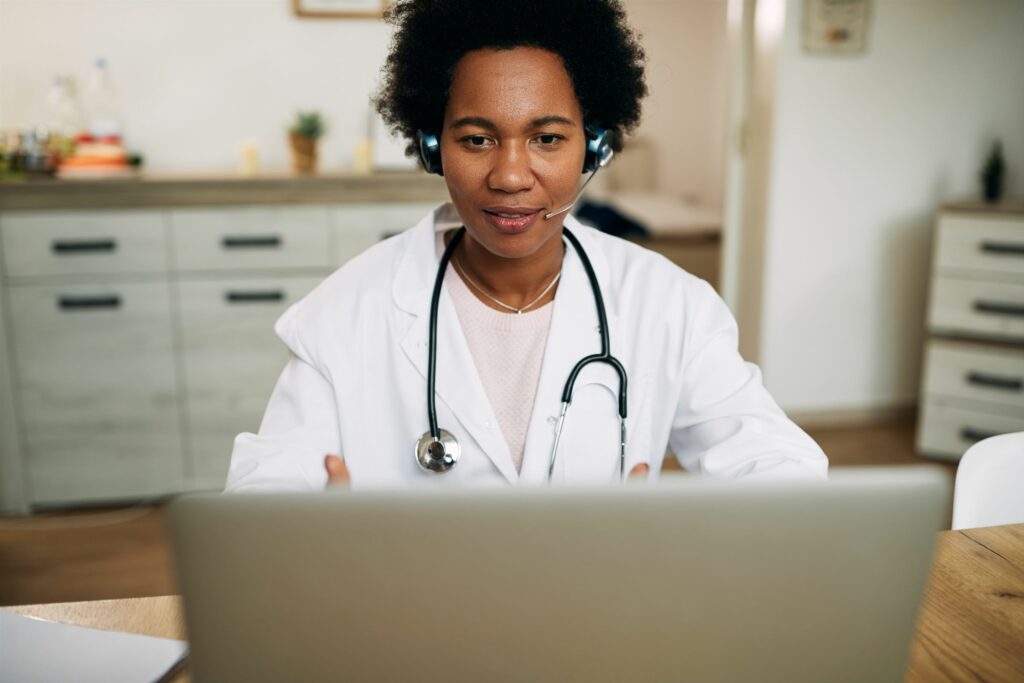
512	147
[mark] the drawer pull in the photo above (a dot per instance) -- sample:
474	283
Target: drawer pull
88	303
972	434
995	381
65	247
254	297
268	242
1010	248
999	308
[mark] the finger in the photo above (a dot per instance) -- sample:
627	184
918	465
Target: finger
639	470
337	471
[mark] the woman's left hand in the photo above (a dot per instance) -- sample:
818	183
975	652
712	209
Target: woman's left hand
639	470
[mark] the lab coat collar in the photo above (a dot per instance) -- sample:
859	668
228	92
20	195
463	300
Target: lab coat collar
573	335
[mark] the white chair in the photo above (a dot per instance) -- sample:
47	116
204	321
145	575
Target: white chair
989	487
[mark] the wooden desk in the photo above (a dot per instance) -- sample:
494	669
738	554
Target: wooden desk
971	623
970	628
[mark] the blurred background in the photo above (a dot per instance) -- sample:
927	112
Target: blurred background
175	173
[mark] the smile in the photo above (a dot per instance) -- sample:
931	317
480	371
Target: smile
511	220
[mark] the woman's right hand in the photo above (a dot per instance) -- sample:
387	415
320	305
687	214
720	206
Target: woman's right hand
337	472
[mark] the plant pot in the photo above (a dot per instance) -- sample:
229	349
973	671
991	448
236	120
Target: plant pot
303	153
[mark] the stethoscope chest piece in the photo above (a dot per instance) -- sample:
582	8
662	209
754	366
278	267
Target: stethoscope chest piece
437	455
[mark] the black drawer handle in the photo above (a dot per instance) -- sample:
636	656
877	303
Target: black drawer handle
1009	248
999	308
65	247
995	381
254	297
267	242
972	434
88	303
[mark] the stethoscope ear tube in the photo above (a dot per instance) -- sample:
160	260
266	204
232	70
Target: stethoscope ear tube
602	320
604	357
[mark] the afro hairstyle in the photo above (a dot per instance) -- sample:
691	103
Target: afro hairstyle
601	54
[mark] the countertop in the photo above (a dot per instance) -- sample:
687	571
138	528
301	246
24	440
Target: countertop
1009	205
169	190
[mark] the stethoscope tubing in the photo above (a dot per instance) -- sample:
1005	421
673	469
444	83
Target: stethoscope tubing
604	357
432	336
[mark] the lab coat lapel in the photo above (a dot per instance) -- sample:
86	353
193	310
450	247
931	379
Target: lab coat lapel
457	382
573	335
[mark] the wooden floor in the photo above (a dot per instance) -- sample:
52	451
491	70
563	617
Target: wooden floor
119	553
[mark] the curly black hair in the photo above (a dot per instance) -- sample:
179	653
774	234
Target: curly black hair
600	51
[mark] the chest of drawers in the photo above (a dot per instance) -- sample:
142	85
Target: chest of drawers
973	382
140	342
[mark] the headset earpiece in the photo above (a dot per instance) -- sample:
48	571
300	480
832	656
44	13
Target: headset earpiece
430	152
599	149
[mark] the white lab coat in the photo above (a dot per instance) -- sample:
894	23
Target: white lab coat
355	382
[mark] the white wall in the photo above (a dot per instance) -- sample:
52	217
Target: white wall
200	77
685	114
197	78
865	149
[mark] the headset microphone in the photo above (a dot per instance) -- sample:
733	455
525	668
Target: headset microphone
579	194
599	153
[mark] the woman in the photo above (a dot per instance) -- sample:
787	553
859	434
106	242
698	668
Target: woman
509	101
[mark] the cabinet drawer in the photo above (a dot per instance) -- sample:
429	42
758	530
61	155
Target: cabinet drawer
83	242
973	372
947	430
987	244
991	309
102	465
250	238
232	359
99	400
359	226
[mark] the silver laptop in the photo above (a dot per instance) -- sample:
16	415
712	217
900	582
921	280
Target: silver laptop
683	580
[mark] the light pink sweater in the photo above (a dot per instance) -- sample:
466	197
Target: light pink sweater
507	350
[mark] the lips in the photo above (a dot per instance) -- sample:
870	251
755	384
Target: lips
511	219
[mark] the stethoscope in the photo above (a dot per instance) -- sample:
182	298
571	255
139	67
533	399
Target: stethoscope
438	450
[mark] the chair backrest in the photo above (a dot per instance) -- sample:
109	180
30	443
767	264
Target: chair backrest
989	486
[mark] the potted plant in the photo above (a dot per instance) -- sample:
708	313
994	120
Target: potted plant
304	133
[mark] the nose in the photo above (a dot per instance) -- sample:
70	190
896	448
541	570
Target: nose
511	171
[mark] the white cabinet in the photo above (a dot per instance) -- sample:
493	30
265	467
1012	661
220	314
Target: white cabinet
84	243
253	238
142	341
973	383
97	390
359	226
231	360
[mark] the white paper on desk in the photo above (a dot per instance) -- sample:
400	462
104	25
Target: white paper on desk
39	651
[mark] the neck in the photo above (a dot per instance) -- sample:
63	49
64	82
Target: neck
513	281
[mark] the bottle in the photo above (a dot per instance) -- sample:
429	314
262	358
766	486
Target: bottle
105	122
65	109
66	120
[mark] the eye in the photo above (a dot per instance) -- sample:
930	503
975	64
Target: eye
475	140
548	139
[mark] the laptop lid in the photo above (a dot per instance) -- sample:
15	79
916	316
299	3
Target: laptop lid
683	579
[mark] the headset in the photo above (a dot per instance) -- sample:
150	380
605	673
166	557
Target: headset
599	150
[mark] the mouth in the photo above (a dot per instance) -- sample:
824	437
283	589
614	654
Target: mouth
511	219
